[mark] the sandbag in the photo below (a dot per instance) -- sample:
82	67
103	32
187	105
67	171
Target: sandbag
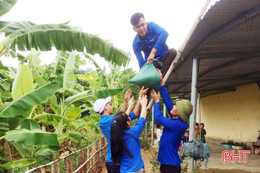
147	77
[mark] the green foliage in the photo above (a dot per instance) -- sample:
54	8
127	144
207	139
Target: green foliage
26	35
30	125
54	97
107	92
145	143
6	5
17	164
23	82
22	105
32	137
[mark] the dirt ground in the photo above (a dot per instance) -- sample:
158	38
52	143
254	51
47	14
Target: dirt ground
215	164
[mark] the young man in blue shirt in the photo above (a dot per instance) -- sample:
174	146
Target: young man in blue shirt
151	40
105	109
174	129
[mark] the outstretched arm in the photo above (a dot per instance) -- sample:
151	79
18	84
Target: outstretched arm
157	111
151	56
127	97
144	101
165	94
137	108
130	105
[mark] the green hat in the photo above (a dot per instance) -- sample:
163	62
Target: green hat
184	108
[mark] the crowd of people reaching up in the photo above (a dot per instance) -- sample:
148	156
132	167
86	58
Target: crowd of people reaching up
124	148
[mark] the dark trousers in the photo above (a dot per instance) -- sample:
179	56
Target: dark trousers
170	169
166	60
113	167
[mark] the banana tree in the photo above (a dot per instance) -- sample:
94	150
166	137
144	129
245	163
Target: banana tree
117	78
68	109
26	35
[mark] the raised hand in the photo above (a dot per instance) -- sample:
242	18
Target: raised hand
161	77
131	102
144	101
150	59
143	91
155	96
128	95
130	105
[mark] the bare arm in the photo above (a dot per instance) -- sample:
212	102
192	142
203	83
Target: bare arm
150	58
144	101
128	94
130	105
137	108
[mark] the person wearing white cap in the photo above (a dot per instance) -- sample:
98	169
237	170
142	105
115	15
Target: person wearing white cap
105	109
174	128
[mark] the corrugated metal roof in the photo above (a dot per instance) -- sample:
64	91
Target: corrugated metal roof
227	42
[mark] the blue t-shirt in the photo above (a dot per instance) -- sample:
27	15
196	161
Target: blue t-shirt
155	38
133	144
173	132
105	125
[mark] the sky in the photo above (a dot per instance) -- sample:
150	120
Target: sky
110	19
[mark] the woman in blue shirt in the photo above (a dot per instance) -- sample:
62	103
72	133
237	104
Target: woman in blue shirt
125	143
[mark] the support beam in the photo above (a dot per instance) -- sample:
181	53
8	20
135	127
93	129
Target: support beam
228	54
216	80
205	90
152	130
194	83
164	110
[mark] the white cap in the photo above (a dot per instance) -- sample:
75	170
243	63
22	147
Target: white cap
100	104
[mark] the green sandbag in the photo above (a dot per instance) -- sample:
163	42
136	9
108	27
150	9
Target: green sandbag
147	77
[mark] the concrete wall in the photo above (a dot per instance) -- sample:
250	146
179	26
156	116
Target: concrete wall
234	115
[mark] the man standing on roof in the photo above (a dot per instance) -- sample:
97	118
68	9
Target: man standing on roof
151	40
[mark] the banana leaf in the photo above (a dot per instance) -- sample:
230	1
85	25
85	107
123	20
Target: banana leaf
68	76
26	102
23	82
75	136
22	150
17	164
107	92
25	35
46	151
76	97
51	119
6	5
3	128
73	113
16	121
32	137
30	125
